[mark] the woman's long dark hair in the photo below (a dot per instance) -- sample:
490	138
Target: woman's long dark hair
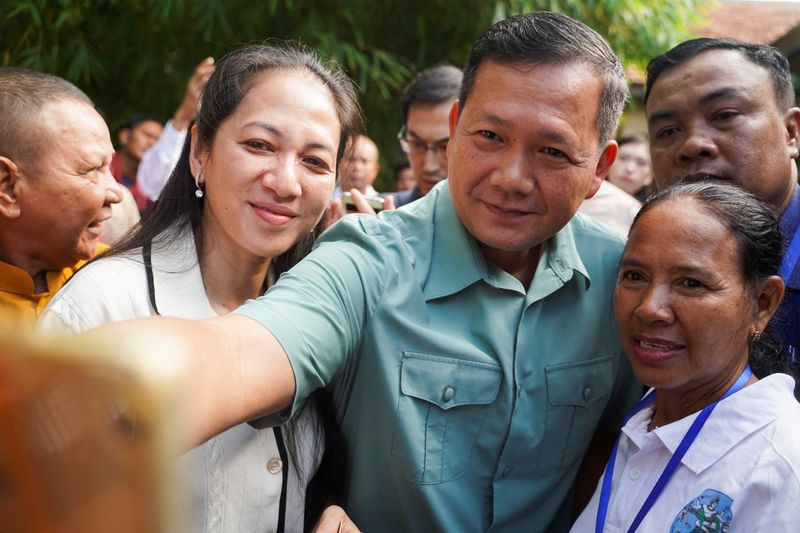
178	209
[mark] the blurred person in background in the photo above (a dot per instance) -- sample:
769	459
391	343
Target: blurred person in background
149	153
612	207
403	178
359	169
159	160
426	104
139	133
632	171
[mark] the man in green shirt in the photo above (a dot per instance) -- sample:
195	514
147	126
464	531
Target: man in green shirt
468	340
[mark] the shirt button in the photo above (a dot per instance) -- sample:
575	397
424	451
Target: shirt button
587	393
507	471
274	465
448	393
634	474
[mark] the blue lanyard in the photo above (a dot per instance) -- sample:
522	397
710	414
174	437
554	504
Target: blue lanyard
672	465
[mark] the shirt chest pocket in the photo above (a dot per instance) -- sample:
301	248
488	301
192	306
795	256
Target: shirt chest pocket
443	403
577	394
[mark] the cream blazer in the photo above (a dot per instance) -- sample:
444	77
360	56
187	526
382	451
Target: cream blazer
235	479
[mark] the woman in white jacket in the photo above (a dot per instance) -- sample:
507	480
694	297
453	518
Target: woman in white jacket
243	205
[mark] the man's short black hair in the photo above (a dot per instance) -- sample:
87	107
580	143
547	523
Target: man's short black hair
431	87
546	38
138	118
24	97
762	55
398	171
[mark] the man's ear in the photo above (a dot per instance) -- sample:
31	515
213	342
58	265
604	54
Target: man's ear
453	118
768	297
9	187
197	154
793	131
607	158
124	136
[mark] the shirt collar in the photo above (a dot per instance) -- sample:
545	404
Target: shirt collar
733	420
177	279
559	263
457	262
16	280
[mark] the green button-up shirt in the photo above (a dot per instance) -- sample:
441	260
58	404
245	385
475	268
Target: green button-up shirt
466	402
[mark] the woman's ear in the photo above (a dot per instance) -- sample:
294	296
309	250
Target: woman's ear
768	297
197	154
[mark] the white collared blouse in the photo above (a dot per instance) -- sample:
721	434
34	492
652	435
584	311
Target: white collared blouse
741	474
235	480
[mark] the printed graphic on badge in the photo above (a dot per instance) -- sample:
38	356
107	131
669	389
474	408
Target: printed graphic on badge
711	511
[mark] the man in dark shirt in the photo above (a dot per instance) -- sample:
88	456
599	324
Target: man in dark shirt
426	105
723	109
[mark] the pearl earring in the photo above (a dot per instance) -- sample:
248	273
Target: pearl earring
199	192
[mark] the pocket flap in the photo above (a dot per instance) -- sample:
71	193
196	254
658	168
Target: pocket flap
448	382
580	383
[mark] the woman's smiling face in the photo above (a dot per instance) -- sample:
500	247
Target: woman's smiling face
683	308
271	167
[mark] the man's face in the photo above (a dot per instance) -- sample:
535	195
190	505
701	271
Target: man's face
140	138
404	180
716	115
524	154
427	133
66	190
361	167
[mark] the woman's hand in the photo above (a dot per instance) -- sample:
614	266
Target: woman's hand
363	206
335	520
336	208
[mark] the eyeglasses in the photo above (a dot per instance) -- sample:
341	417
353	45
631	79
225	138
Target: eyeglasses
415	147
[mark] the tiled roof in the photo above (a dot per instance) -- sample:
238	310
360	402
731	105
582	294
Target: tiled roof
755	22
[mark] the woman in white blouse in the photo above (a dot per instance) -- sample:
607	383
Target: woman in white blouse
714	446
243	205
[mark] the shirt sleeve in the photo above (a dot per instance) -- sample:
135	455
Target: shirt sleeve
75	308
108	290
320	309
773	489
157	162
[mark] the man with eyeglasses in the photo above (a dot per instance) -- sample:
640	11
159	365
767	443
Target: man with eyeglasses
426	105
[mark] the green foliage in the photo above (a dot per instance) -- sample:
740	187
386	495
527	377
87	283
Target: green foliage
136	55
637	30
